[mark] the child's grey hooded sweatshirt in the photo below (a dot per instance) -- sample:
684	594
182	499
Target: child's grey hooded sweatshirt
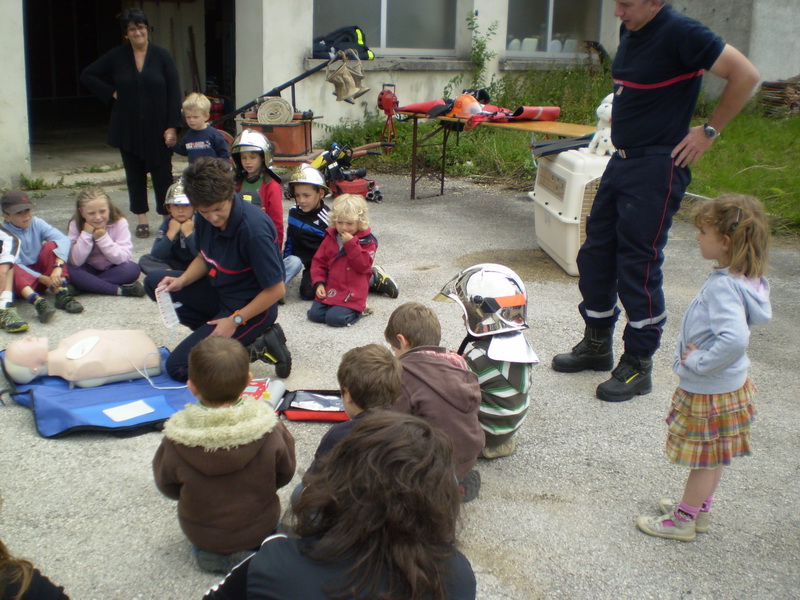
718	322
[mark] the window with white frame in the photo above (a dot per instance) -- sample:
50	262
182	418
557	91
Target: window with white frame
552	27
393	27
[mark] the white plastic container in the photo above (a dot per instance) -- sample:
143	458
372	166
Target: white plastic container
566	184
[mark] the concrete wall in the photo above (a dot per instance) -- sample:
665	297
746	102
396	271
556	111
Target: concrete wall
775	40
287	38
766	31
15	159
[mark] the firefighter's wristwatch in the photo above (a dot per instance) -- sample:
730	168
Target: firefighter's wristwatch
238	319
710	132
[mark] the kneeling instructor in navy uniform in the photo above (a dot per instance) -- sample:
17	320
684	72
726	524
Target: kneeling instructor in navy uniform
657	71
232	287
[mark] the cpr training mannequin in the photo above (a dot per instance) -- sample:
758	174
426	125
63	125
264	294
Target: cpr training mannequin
89	358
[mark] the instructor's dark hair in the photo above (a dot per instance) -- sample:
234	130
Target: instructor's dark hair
208	180
386	501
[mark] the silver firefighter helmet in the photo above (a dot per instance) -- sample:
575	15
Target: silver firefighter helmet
492	297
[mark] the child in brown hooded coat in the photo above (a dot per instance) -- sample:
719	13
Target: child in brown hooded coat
438	386
224	459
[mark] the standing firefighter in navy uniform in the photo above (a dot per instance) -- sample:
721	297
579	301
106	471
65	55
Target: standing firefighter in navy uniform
657	73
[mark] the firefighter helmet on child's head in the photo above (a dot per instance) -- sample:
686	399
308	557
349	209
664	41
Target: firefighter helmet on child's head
176	195
305	173
251	141
492	297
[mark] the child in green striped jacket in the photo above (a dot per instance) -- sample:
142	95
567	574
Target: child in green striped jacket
494	302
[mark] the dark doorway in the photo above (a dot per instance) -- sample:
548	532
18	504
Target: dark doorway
63	36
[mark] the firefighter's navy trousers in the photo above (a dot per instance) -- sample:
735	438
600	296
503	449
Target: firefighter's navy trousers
626	233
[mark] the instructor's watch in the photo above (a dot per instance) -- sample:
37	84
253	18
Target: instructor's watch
710	132
238	319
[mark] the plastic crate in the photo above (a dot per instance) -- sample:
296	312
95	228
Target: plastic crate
566	185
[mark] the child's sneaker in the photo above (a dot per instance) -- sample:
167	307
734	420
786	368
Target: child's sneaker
668	506
507	448
44	310
381	283
11	321
685	531
134	290
65	301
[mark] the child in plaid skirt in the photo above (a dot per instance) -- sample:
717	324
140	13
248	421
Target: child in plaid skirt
712	409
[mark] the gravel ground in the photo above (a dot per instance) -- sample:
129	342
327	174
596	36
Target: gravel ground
556	520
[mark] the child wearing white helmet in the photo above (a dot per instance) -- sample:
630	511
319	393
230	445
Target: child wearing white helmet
305	230
495	309
174	247
256	182
306	225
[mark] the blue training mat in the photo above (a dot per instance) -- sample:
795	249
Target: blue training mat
59	409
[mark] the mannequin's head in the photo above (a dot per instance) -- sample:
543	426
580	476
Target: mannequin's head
26	359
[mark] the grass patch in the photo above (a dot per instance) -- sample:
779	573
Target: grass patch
27	183
756	155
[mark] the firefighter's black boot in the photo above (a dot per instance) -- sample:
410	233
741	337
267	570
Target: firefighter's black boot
270	347
594	352
632	377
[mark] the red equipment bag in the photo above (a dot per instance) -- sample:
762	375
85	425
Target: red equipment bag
358	186
312	405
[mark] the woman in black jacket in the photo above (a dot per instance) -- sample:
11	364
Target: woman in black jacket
142	81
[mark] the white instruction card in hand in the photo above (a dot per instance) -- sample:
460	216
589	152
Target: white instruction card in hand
125	412
166	307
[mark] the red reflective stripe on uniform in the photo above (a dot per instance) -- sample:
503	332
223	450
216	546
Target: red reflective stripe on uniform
660	84
515	300
219	267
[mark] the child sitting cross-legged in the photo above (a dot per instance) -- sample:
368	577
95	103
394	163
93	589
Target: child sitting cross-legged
369	378
40	260
495	308
224	459
100	260
438	386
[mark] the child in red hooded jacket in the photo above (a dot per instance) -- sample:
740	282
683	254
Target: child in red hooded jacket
342	266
